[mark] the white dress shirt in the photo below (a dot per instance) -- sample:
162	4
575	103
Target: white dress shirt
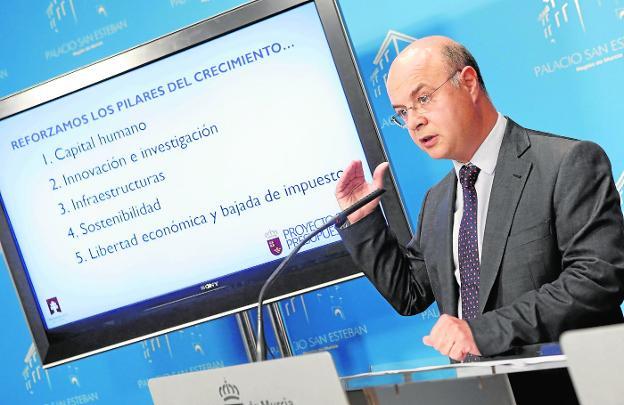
485	159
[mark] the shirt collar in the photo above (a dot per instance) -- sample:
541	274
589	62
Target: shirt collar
485	157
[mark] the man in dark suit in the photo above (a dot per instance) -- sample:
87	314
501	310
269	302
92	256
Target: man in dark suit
527	244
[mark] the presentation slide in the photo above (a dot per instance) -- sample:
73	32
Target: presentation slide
200	165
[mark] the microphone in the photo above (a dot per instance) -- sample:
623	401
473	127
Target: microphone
341	218
337	220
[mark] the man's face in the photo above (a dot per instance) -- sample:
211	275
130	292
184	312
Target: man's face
442	126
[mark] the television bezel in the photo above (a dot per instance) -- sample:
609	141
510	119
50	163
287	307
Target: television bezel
104	332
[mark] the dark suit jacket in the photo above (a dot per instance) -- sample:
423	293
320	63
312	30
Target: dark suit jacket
553	247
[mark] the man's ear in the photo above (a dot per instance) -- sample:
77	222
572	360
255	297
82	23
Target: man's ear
470	80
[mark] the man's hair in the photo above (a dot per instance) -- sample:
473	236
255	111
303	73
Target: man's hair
457	57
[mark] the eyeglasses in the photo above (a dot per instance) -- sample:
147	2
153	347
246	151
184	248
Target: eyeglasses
400	118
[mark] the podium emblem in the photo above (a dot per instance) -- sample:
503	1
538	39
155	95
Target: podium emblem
230	394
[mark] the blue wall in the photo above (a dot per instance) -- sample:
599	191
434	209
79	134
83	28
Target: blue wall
552	65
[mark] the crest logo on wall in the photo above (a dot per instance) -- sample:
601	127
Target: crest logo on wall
560	19
392	45
274	242
557	14
32	372
59	11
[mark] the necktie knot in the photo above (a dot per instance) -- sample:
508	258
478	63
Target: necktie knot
468	175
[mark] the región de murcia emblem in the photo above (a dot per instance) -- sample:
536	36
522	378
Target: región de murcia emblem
274	242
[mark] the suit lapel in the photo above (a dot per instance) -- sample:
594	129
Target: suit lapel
444	234
510	176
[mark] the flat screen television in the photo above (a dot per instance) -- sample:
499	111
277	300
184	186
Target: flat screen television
158	188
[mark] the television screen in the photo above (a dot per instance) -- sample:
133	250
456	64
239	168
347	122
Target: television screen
160	187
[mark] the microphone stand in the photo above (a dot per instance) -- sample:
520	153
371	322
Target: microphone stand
337	220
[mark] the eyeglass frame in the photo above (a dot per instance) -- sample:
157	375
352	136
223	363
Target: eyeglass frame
421	100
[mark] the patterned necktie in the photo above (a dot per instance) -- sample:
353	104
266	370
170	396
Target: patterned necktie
468	246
